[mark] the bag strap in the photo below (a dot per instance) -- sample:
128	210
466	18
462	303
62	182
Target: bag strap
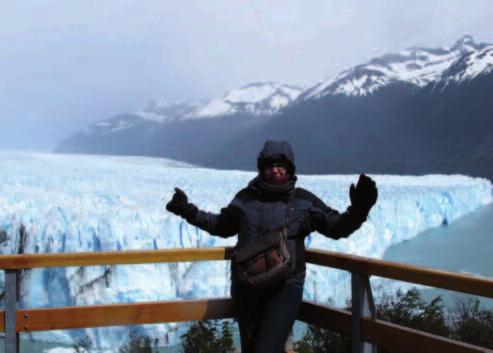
288	208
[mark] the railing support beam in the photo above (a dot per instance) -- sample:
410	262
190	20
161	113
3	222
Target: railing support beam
362	306
11	303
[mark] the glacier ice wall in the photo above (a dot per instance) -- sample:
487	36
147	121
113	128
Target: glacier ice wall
70	203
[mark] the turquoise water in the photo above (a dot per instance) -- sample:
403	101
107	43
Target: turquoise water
465	245
27	346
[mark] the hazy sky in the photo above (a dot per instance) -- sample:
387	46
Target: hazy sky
64	64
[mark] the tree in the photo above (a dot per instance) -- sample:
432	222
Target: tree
472	324
137	344
225	341
406	309
207	337
320	340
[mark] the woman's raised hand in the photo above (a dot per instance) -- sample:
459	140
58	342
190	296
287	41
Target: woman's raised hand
365	194
178	204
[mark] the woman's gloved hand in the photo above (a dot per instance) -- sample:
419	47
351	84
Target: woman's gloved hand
179	203
364	195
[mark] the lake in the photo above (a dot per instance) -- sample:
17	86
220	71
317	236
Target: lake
465	245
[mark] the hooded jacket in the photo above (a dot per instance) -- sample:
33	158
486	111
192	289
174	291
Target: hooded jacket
276	150
251	214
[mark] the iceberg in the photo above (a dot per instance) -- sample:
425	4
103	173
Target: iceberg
71	203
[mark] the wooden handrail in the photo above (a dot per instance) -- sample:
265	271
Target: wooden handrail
17	262
71	317
408	273
378	332
394	270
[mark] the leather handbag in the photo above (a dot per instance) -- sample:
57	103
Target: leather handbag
266	260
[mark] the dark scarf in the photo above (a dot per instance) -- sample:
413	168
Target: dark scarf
279	180
273	191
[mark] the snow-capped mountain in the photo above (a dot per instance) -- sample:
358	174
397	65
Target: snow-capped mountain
415	112
415	66
430	112
180	130
258	98
156	112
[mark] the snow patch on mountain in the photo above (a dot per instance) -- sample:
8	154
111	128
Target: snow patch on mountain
164	111
259	98
156	112
471	65
415	66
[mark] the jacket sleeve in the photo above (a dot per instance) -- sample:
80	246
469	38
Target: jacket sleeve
332	223
225	224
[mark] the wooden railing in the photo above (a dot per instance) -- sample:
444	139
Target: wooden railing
366	331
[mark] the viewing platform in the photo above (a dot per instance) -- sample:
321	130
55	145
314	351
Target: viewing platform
360	322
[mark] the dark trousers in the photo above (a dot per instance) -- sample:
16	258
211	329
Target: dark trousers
265	318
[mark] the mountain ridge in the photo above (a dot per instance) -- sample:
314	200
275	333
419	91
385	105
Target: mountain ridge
418	111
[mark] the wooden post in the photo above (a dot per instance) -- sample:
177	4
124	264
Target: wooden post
362	306
11	302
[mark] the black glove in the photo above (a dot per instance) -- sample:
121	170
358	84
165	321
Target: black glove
179	204
364	195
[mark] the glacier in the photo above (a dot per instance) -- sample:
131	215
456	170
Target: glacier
70	203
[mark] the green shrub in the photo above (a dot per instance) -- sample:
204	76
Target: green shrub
208	337
137	344
466	322
408	309
321	340
472	324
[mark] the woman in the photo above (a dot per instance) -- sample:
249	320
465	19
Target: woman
265	317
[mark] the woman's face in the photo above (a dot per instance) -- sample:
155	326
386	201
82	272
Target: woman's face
274	170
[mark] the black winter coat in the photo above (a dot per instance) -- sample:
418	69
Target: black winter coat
250	215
